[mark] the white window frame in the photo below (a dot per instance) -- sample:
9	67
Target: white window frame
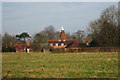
51	44
62	44
59	40
64	40
56	44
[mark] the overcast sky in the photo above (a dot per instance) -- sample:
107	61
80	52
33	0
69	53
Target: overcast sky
32	17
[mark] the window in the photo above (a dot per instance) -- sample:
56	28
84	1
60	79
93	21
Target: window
62	44
56	44
51	44
59	40
64	40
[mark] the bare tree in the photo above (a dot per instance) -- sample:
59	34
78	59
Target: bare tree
110	15
79	36
40	40
7	42
50	32
104	31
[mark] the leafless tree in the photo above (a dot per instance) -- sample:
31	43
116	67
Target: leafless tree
104	31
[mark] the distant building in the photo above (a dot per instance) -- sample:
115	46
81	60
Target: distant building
23	47
63	42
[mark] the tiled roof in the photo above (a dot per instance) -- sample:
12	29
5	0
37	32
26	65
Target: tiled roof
76	45
62	35
22	45
85	40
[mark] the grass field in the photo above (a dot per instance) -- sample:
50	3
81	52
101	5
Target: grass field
62	65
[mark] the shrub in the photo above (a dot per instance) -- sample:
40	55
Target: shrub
8	49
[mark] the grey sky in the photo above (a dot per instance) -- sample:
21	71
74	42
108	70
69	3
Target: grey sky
33	17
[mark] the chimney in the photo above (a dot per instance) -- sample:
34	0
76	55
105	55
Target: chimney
10	44
28	42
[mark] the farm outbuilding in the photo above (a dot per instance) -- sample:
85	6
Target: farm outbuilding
63	42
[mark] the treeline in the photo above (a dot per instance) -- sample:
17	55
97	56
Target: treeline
38	40
102	32
8	40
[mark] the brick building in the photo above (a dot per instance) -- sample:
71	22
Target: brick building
63	42
23	47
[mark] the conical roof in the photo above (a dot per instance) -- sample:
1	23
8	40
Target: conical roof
62	35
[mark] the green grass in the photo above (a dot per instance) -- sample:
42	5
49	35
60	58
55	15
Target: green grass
60	65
